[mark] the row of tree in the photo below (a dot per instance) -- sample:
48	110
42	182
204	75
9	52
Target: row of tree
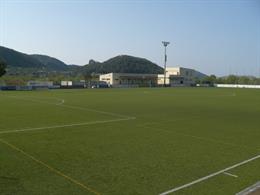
231	79
2	68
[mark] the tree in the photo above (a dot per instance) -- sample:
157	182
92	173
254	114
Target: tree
220	80
244	80
232	79
210	80
88	78
2	68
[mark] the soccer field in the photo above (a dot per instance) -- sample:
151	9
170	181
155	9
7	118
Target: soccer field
197	141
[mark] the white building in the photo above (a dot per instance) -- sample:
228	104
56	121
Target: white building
175	76
179	76
129	79
66	83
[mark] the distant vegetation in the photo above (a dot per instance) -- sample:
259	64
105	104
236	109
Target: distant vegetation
231	79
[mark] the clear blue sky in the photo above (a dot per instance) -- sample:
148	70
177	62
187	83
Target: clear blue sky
216	37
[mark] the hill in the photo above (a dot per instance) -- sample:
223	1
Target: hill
18	60
124	64
15	59
50	63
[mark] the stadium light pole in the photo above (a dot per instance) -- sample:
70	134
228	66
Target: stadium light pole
165	43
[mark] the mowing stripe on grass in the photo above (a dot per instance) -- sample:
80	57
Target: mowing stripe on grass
68	125
148	124
210	176
50	168
97	111
203	138
73	107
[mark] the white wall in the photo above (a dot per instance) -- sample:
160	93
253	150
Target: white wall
238	86
108	78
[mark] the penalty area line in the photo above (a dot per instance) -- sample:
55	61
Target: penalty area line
62	102
210	176
229	174
68	125
57	172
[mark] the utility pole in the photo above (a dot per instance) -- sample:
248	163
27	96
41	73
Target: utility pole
165	43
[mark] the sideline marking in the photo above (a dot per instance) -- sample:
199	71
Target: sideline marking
254	188
68	125
210	176
229	174
50	168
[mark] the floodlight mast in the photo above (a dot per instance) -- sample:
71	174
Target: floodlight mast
165	43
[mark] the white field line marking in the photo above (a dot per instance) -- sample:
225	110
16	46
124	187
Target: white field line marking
210	176
250	189
57	172
62	102
75	107
68	125
229	174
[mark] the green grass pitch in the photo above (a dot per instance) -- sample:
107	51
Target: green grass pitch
129	141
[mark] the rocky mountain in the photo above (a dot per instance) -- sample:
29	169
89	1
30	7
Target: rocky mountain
124	64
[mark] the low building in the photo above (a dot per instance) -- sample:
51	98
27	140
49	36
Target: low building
40	84
66	83
175	76
179	76
129	79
